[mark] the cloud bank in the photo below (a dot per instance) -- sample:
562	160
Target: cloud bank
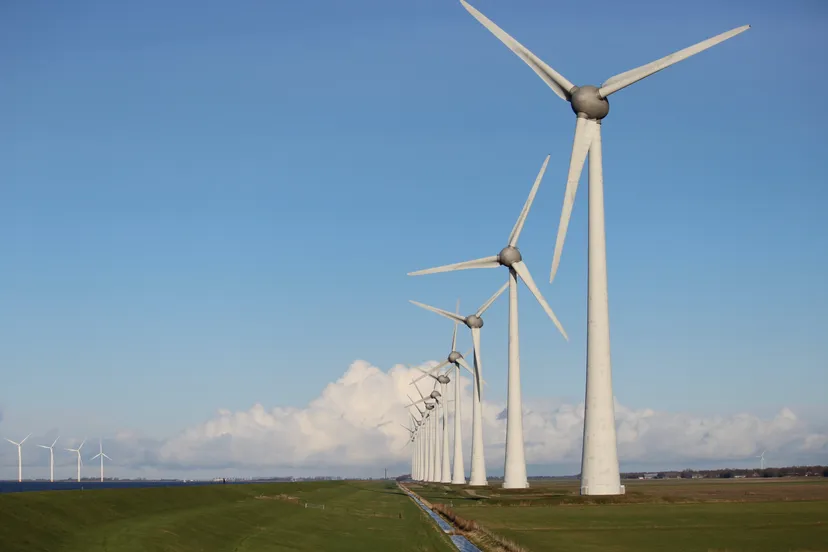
355	425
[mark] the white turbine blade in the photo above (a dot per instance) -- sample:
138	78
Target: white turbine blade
427	373
56	440
485	262
44	446
492	299
26	437
418	402
97	455
523	271
623	80
107	457
454	335
552	78
417	387
81	445
12	442
585	130
465	365
436	368
447	314
513	237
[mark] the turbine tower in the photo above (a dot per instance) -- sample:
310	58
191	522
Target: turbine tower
80	461
51	459
19	456
599	463
101	455
474	322
510	257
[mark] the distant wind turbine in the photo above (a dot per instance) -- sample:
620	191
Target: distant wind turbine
80	461
761	458
514	476
101	455
51	459
19	457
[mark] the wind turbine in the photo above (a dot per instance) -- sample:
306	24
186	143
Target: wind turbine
19	456
422	469
761	458
435	466
474	322
51	459
101	455
445	470
510	257
80	461
599	463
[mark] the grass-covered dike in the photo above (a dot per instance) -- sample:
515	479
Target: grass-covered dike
357	516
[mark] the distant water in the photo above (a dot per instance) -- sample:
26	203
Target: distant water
29	486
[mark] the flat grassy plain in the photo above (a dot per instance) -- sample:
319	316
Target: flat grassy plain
751	515
358	516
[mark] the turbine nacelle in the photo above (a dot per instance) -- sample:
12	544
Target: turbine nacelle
435	395
454	356
474	322
443	379
509	255
586	101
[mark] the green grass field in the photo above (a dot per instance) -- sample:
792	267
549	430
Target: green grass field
676	515
358	516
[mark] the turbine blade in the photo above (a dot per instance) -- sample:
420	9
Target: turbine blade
447	314
438	367
465	365
44	446
585	130
418	402
623	80
523	271
485	262
552	78
454	335
56	440
107	457
95	456
427	373
26	437
513	237
417	387
492	299
10	441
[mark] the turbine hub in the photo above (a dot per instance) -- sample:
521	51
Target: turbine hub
435	394
429	406
475	321
586	101
454	356
509	255
443	379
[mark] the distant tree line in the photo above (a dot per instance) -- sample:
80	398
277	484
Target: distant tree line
726	473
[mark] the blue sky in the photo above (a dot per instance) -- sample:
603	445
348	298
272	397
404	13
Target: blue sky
208	205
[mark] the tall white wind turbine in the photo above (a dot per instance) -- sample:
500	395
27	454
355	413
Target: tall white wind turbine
510	257
474	322
599	463
80	461
19	456
51	459
761	458
101	455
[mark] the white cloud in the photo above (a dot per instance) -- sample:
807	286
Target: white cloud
356	422
354	426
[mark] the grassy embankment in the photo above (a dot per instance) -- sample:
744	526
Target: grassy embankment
676	515
358	516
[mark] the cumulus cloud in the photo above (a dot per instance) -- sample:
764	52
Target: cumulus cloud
355	425
356	422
